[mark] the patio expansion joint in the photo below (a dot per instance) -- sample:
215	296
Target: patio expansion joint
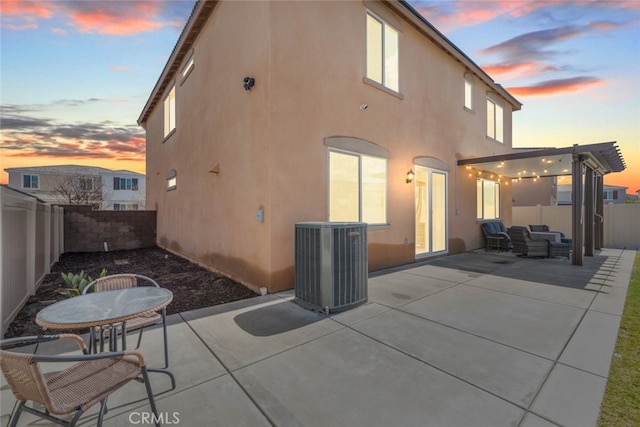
557	362
595	293
395	349
395	307
232	375
479	336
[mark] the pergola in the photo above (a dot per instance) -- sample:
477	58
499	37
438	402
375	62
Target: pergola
587	164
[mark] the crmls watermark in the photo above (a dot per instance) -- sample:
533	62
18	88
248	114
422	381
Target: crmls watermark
149	418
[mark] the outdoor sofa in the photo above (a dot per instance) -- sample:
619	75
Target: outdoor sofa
525	245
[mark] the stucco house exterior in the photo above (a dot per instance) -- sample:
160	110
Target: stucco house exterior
272	113
104	188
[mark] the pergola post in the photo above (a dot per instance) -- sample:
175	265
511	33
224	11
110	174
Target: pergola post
576	209
599	214
589	211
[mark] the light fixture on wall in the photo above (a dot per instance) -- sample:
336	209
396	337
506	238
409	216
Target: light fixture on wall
410	175
248	82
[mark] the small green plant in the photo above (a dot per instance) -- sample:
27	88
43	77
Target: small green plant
75	283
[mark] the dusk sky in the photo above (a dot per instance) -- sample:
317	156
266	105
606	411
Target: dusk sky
75	75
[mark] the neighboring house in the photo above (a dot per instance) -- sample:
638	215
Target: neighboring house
610	194
272	113
546	191
86	185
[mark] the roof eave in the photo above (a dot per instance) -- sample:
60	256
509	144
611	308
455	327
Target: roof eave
199	15
440	39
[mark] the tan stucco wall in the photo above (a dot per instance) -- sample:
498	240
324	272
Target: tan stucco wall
308	59
529	192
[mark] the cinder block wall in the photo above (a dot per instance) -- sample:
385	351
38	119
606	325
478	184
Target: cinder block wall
86	230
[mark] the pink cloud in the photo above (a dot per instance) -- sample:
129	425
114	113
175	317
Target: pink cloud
522	69
42	9
119	68
116	18
59	31
448	16
552	87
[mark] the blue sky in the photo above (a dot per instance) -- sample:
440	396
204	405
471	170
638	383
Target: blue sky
74	75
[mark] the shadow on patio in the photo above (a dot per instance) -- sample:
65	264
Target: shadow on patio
476	339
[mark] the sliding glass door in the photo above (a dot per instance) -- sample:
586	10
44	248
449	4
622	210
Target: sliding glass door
431	211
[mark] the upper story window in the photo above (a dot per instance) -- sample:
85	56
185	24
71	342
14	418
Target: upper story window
186	70
468	93
170	111
172	180
30	181
487	199
357	188
86	183
125	184
495	117
382	53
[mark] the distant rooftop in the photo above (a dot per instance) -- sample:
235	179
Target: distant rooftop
70	170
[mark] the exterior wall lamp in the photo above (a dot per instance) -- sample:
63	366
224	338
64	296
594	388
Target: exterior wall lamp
410	175
248	83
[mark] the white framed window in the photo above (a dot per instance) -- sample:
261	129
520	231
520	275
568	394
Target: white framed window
495	118
382	53
125	206
86	183
172	180
170	112
31	181
468	93
186	70
357	188
488	199
125	184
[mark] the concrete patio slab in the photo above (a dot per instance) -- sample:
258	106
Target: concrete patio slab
247	331
401	288
570	397
509	373
542	291
539	327
359	314
532	420
593	343
218	402
610	300
449	273
347	379
462	345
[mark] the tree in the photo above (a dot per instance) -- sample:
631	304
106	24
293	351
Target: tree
83	190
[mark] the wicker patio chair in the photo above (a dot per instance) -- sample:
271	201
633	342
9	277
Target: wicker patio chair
496	229
545	228
73	389
122	281
524	245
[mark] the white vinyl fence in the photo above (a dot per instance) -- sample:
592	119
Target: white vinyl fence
31	241
621	222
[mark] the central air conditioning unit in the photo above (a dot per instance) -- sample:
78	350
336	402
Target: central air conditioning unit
331	269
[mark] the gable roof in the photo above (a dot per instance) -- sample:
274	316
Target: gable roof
203	9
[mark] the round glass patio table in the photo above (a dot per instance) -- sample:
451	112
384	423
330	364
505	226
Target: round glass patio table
103	308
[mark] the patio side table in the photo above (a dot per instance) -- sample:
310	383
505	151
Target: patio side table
494	242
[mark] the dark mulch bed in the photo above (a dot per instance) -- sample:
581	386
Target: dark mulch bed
192	285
